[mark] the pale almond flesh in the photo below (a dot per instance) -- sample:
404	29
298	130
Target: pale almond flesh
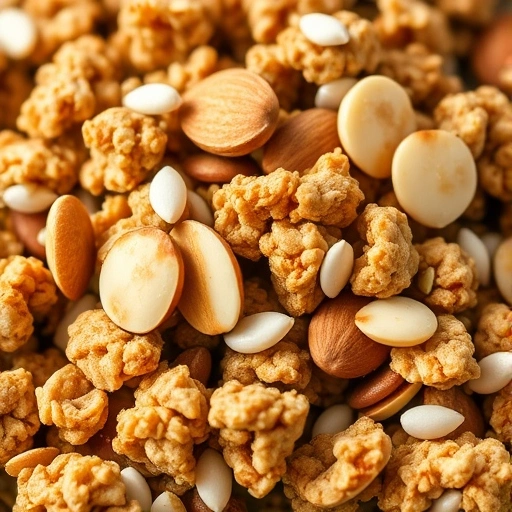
334	419
141	279
214	480
430	421
336	268
475	247
213	290
136	487
495	373
70	246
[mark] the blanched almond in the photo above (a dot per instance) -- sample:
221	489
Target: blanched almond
137	488
30	459
214	480
336	268
430	421
496	373
168	194
333	420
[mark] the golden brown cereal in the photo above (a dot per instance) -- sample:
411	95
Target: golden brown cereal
494	330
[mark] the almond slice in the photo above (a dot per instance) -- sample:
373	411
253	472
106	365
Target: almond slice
31	459
213	292
70	246
141	279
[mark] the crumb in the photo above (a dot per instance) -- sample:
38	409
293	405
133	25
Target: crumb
42	365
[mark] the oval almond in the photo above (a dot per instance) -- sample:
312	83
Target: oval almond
27	227
31	459
168	194
214	480
430	421
336	268
218	169
70	246
231	112
397	321
495	373
213	291
503	269
141	279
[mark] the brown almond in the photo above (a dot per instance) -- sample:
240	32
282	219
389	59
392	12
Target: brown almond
31	459
199	362
337	346
302	140
70	246
27	226
231	112
210	168
194	503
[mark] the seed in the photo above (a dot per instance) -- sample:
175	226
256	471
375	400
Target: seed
492	240
199	209
374	117
449	501
257	332
495	373
168	502
29	198
27	227
137	488
30	459
323	30
430	421
18	33
213	480
330	95
336	268
503	269
475	247
426	280
153	99
434	177
333	420
397	321
168	194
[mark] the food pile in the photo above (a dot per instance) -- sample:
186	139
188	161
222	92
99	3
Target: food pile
255	255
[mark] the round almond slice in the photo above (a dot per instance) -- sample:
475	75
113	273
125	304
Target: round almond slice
257	332
70	246
430	421
30	459
495	373
213	292
434	177
336	268
475	247
397	321
141	279
374	117
503	269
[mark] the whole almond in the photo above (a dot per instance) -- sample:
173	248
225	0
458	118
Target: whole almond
27	226
230	113
337	346
199	362
218	169
301	141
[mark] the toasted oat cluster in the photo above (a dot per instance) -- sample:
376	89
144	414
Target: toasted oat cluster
179	250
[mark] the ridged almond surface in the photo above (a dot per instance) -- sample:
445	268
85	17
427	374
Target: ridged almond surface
230	113
302	140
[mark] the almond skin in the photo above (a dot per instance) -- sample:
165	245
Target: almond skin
210	168
230	113
26	226
302	140
337	346
199	362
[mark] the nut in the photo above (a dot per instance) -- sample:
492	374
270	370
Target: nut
31	459
218	169
199	362
27	226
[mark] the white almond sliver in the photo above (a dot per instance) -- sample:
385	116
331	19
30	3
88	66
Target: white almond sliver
323	29
214	480
336	268
430	421
257	332
167	502
137	488
475	247
495	373
29	198
153	99
397	321
449	501
330	94
168	194
492	240
503	269
199	209
18	33
333	420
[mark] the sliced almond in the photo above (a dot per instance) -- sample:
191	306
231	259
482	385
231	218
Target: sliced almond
141	279
70	246
213	292
30	459
218	169
503	269
232	112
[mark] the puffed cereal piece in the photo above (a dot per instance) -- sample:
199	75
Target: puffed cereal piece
258	429
19	420
71	403
16	322
185	336
125	147
114	207
108	355
443	361
169	418
420	72
42	365
474	12
9	244
322	64
295	253
324	473
259	297
389	261
501	416
73	482
455	281
418	472
494	330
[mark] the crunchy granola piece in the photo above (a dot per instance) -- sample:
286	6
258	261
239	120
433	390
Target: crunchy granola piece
41	365
322	64
418	472
9	244
443	361
295	253
185	336
258	429
474	12
269	62
114	208
18	413
455	281
501	417
73	482
169	418
159	32
332	470
71	403
125	147
390	260
323	389
106	354
494	330
420	72
244	207
259	297
16	322
49	163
